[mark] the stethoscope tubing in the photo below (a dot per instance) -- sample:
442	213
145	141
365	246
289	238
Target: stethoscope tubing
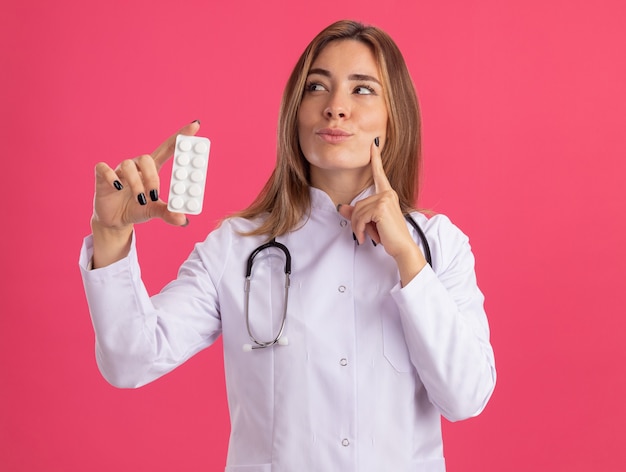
422	236
262	344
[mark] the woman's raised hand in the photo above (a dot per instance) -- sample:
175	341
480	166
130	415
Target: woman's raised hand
127	195
380	217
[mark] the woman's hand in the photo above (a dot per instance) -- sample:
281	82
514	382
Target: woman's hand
127	195
380	217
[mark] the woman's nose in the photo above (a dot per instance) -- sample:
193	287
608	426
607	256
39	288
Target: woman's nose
336	108
335	112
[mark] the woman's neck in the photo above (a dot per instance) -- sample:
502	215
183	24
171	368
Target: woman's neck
342	186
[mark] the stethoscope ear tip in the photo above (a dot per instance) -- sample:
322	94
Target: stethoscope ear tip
283	341
247	348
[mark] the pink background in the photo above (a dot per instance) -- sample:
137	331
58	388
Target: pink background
523	106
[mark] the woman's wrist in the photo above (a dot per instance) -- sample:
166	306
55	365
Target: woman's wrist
109	244
410	264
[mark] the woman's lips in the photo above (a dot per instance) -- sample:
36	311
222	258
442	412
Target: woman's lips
333	135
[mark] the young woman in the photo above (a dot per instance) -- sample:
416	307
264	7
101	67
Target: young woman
349	364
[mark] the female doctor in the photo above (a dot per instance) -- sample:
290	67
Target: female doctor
353	369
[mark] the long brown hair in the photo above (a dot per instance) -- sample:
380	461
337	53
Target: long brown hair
285	197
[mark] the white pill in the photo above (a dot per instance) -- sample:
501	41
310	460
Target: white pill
184	145
179	188
183	159
200	147
193	205
195	190
181	174
176	203
197	176
198	162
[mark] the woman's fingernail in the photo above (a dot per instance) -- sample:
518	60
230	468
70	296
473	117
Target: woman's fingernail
118	185
196	121
355	240
374	243
339	206
377	142
186	222
142	199
154	195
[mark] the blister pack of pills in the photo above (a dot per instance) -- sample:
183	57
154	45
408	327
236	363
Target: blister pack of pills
191	160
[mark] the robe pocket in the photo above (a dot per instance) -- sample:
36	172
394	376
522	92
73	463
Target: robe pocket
395	349
249	468
432	465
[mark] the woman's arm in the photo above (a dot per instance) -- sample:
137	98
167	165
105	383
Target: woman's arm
141	337
445	325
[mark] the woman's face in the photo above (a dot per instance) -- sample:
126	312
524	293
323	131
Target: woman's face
342	111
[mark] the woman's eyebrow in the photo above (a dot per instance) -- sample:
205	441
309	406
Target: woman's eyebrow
363	78
355	77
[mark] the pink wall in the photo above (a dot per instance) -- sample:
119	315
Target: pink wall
523	105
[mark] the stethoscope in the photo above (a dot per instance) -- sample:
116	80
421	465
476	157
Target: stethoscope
279	338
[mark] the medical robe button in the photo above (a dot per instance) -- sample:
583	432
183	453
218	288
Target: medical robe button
341	288
343	362
345	443
343	223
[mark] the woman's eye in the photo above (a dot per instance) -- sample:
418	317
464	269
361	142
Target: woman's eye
364	90
314	87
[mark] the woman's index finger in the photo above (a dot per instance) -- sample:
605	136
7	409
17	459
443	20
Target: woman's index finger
166	149
381	182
